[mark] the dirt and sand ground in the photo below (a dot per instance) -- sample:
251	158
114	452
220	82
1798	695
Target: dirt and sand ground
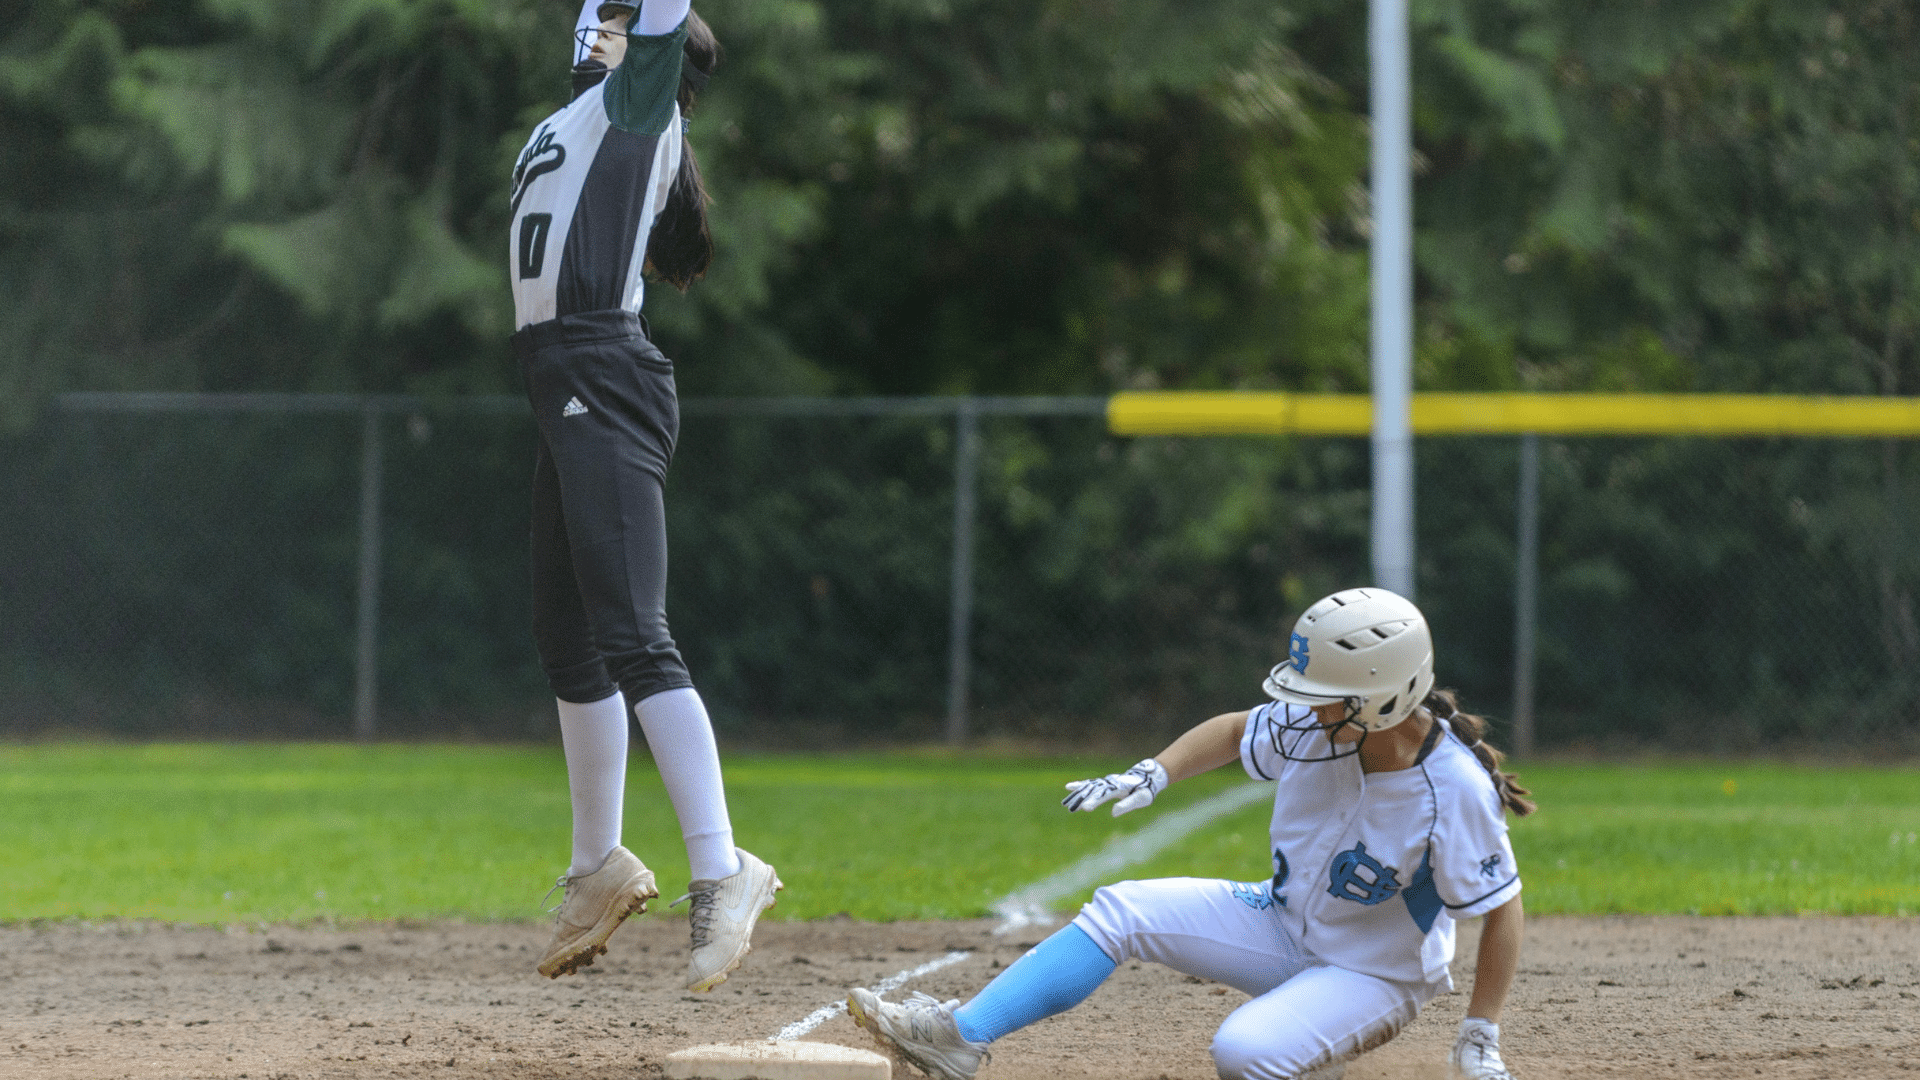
1597	997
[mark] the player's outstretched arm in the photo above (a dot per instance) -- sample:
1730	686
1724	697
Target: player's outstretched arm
657	17
1476	1050
1206	746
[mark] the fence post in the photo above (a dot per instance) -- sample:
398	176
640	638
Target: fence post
367	629
1526	591
966	470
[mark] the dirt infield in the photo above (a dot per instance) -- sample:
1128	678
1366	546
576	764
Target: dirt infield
1609	997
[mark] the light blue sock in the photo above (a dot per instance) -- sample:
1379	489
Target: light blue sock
1052	977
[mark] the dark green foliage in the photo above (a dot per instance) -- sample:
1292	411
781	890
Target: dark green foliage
980	194
809	568
176	555
198	573
235	195
995	196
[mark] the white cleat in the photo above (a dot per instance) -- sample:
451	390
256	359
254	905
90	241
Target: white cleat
1476	1053
723	913
593	907
921	1030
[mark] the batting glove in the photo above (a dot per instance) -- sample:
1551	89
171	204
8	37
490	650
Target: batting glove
1134	788
1476	1052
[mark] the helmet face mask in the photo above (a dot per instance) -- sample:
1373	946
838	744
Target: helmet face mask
591	27
1368	648
1289	735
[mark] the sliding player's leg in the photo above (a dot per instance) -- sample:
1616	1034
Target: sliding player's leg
949	1040
1313	1023
1049	979
1234	933
1212	929
1229	932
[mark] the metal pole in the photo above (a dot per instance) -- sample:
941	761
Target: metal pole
1526	593
966	472
1392	258
367	630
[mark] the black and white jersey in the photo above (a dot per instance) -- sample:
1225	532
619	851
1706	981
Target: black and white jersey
593	178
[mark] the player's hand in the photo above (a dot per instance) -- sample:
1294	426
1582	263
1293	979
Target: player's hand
1476	1052
1134	788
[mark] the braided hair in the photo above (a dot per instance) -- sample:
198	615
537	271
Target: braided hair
1472	730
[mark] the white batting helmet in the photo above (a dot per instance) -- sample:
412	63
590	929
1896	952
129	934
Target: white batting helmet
1367	647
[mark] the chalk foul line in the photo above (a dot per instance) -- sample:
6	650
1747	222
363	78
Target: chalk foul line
1033	905
885	986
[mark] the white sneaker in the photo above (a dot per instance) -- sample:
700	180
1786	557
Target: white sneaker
723	913
593	908
1476	1053
920	1029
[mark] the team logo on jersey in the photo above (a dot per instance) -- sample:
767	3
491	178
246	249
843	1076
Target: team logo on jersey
1297	652
542	156
1360	877
1490	866
1254	894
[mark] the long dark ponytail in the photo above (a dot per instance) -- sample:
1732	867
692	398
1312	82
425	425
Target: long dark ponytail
680	248
1472	730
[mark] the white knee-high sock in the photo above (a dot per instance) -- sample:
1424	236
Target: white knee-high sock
595	737
681	738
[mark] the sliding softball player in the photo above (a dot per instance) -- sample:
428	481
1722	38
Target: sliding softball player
605	194
1388	827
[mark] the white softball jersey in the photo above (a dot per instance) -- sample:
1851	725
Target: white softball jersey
593	178
1370	870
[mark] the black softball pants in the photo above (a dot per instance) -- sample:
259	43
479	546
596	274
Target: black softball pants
603	397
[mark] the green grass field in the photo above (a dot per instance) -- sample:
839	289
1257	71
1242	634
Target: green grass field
220	833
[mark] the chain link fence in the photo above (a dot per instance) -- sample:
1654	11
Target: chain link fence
168	570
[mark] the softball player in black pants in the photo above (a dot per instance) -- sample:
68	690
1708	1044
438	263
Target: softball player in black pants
606	191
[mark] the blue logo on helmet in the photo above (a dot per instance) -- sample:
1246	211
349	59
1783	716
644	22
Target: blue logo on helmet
1360	877
1297	652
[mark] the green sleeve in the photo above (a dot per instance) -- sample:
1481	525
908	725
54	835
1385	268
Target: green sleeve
640	92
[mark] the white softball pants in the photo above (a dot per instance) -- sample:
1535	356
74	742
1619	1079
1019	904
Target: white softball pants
1305	1013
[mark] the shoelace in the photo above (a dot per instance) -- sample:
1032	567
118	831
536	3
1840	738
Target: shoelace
927	1020
562	882
1487	1051
923	1012
700	911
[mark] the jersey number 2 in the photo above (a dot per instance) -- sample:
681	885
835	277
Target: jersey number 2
533	243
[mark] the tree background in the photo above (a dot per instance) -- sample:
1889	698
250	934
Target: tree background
1006	197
